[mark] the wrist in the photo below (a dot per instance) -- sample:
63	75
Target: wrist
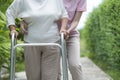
63	30
68	31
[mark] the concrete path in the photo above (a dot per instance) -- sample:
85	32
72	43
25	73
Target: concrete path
90	71
93	72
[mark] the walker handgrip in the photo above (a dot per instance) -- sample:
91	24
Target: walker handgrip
62	37
13	39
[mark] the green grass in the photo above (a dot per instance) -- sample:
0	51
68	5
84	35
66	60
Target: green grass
20	66
113	73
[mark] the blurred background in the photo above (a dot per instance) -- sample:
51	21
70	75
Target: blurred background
99	30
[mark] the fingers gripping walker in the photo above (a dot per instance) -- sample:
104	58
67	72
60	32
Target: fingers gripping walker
13	54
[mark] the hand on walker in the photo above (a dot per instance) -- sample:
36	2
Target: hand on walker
23	27
66	34
13	30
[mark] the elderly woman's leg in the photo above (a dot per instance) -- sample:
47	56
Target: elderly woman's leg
50	62
32	62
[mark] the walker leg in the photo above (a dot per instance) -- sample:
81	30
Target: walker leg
64	59
63	52
12	65
13	59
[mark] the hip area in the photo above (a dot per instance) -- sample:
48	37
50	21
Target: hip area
42	38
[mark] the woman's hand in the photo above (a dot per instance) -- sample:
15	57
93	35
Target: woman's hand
13	30
66	34
23	27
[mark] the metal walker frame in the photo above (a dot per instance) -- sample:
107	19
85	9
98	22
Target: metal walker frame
13	54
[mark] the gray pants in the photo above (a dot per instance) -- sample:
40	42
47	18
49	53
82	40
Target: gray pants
73	53
73	57
42	63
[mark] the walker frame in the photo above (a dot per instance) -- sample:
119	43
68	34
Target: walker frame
14	46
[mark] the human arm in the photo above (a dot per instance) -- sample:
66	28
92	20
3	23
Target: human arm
11	15
75	21
64	19
63	25
81	7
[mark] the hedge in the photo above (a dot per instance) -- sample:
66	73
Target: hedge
4	4
5	44
102	33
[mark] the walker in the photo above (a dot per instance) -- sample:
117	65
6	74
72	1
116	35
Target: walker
13	54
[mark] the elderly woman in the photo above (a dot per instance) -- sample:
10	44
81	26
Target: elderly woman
41	63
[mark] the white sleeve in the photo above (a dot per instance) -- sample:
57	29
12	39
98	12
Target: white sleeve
12	12
64	12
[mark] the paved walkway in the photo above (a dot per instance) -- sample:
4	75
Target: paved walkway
90	71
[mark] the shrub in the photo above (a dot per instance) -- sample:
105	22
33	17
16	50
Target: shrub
5	44
102	33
